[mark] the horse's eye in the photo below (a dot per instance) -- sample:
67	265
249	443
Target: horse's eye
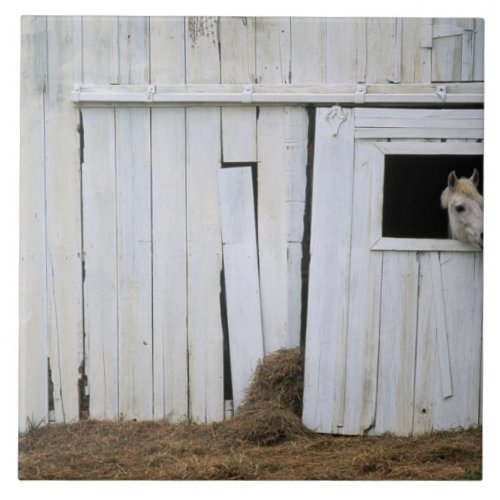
459	208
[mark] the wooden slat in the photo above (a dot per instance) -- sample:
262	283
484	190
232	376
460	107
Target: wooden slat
237	36
133	195
33	343
324	378
169	264
447	50
237	43
167	50
100	50
419	133
382	50
364	296
236	202
204	265
308	50
272	52
462	296
272	227
133	42
441	329
478	70
100	285
398	329
202	50
63	200
342	49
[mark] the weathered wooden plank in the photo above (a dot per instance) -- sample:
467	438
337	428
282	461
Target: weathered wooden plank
364	296
272	52
241	277
398	330
447	49
441	329
478	70
237	37
33	342
204	265
419	133
426	375
308	50
326	342
382	50
272	226
63	200
239	134
133	43
237	45
342	49
167	39
100	285
462	296
100	50
169	264
202	50
133	195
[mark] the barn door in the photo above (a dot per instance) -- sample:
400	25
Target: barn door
393	340
457	46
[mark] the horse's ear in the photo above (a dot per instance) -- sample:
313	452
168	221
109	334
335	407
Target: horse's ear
475	177
452	180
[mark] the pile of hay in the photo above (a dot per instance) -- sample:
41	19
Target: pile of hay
272	409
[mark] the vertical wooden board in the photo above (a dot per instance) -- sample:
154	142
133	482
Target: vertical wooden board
364	286
415	58
462	294
237	46
100	285
239	134
133	44
272	226
398	329
167	50
63	206
237	42
133	195
447	50
241	276
383	44
272	52
427	382
169	264
324	377
33	348
100	50
202	50
342	49
204	265
308	50
478	70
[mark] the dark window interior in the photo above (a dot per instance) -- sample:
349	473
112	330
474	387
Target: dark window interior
412	191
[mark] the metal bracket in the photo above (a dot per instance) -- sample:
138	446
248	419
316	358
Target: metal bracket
151	92
246	95
359	95
441	92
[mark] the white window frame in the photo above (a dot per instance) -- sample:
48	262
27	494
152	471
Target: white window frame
382	148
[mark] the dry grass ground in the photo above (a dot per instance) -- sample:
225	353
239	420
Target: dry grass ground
264	440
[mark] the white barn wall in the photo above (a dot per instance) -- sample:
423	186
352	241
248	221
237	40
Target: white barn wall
143	307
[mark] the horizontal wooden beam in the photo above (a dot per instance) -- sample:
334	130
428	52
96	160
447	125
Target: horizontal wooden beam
149	95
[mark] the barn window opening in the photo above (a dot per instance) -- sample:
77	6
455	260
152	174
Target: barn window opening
412	188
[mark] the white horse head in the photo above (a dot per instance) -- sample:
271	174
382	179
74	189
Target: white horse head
465	208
